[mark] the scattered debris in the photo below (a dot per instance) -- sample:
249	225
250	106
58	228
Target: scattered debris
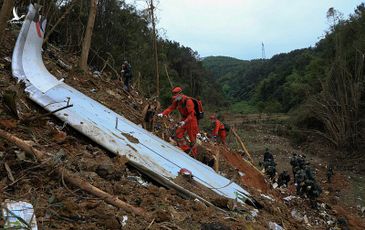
275	226
267	197
124	221
289	198
10	174
8	59
64	65
297	215
139	180
18	215
20	155
254	213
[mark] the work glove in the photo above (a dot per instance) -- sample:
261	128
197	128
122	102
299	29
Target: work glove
181	123
160	115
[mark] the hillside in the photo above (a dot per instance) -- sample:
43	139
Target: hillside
222	67
59	204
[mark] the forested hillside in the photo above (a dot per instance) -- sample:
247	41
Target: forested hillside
285	81
322	85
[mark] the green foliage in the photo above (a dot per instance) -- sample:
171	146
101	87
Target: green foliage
243	107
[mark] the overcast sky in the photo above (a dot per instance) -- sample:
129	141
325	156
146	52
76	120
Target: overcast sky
236	28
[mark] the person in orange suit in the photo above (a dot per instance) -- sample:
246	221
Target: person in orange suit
218	129
188	123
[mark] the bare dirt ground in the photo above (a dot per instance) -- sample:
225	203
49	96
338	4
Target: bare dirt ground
59	205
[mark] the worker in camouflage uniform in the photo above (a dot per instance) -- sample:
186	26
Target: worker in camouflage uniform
330	172
283	179
304	178
267	155
269	164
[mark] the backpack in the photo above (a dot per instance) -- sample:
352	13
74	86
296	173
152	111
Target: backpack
198	108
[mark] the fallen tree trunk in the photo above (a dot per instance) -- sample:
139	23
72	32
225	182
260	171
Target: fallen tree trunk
46	114
72	178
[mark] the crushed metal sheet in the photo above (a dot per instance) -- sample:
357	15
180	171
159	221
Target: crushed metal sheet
18	215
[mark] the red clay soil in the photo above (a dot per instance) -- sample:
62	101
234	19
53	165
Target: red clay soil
353	221
252	178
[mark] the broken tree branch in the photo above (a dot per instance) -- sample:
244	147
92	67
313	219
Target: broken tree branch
8	170
107	63
67	11
168	76
74	179
242	145
46	114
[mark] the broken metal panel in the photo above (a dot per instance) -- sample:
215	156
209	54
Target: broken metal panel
17	63
102	125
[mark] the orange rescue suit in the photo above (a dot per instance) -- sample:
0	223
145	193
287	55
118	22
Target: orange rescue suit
220	131
186	108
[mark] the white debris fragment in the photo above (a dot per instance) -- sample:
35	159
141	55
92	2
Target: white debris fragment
254	212
267	197
306	221
97	74
297	215
289	198
124	221
330	222
241	173
139	180
8	59
18	215
275	226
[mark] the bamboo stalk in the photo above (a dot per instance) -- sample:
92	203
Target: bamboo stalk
168	76
239	140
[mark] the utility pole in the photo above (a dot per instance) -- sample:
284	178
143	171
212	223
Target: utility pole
263	56
155	48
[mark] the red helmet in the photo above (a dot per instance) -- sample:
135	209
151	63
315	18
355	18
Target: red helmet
176	90
212	117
